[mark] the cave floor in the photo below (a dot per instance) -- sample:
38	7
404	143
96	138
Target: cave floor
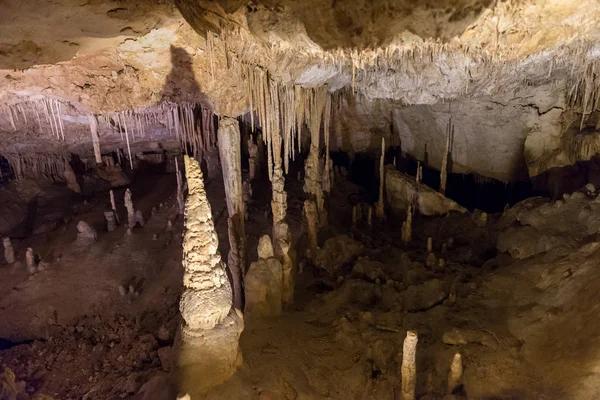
69	333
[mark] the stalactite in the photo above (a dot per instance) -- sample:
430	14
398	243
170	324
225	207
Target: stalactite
95	138
231	162
444	172
122	115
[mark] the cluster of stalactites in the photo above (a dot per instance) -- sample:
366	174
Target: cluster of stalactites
47	109
39	165
282	111
192	124
584	91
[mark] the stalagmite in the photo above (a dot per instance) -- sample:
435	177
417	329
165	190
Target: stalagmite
455	374
253	161
264	283
85	232
114	206
95	138
312	222
130	209
409	366
370	217
180	200
208	348
429	244
379	210
111	223
288	263
231	161
30	261
247	197
71	178
9	253
407	225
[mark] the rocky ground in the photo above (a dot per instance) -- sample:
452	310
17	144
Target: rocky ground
522	319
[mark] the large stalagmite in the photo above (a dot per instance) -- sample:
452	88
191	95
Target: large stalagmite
208	349
231	161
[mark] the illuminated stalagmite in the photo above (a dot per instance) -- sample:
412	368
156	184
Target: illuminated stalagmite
9	253
71	178
208	349
231	161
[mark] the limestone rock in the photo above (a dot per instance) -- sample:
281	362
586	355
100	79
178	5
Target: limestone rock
336	252
425	296
369	269
264	288
401	190
85	232
265	247
459	337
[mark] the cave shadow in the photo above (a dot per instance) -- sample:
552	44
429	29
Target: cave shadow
181	82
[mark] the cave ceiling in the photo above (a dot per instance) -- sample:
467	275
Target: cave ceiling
514	75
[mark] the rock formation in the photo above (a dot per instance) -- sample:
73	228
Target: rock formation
402	189
409	366
30	261
180	199
264	283
455	373
253	161
231	162
71	178
312	223
379	209
113	206
208	352
9	253
131	220
111	222
85	232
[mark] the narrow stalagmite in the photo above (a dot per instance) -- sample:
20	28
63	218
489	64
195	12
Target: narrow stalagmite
130	209
455	374
208	346
231	161
253	161
379	210
370	217
9	253
409	366
429	244
95	139
312	222
30	260
407	226
113	206
180	200
111	223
